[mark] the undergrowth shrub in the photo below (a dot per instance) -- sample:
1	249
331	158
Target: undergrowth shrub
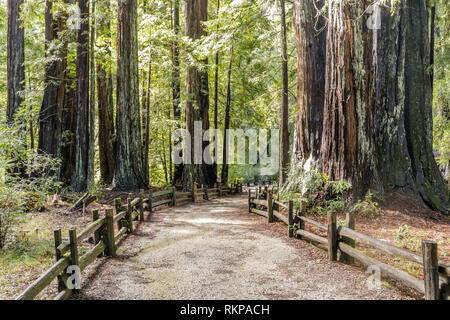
367	206
316	190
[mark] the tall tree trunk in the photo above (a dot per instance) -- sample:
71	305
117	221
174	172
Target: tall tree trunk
80	176
176	82
216	100
48	115
15	59
197	104
224	178
403	120
311	51
129	173
146	139
106	137
377	121
432	36
66	106
69	121
284	137
91	168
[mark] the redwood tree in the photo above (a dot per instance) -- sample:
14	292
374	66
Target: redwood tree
284	136
48	115
15	59
105	101
197	92
129	173
224	178
176	82
80	175
376	113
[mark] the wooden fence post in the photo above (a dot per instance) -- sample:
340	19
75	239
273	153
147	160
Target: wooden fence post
219	185
95	217
300	222
98	233
332	236
249	201
129	216
108	234
430	269
174	196
74	256
193	192
291	218
58	240
349	223
269	207
118	206
266	189
206	193
141	208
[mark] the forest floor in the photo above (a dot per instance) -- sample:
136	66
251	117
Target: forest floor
216	250
218	244
404	222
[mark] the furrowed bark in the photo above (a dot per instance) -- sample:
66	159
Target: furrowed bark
106	137
284	137
129	173
311	50
15	59
197	104
80	175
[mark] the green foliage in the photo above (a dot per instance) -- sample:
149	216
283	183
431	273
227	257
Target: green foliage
367	206
5	225
340	187
441	93
405	238
315	189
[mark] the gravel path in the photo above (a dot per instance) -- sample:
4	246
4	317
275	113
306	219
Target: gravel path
216	250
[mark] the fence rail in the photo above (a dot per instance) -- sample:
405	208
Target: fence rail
107	237
342	240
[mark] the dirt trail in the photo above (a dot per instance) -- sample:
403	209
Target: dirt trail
216	250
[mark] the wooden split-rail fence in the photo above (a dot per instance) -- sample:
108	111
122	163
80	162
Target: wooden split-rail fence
342	240
107	237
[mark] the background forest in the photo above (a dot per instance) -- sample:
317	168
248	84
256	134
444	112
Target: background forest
63	132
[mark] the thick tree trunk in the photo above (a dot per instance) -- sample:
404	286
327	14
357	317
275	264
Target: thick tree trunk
176	82
105	104
403	121
224	178
80	176
311	51
216	101
48	115
69	121
284	136
66	107
348	145
15	59
146	140
377	122
197	104
432	31
129	173
91	156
